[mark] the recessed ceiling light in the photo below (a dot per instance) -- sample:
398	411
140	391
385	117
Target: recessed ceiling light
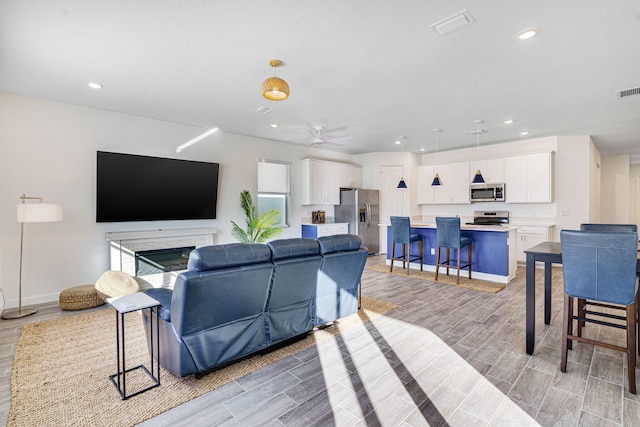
398	142
94	85
274	125
528	33
524	133
422	149
508	122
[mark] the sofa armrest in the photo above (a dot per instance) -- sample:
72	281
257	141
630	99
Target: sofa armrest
163	296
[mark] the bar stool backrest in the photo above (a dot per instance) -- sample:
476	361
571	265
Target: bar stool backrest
400	229
448	232
600	266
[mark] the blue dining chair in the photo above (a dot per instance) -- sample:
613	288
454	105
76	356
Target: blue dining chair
620	228
401	234
600	267
448	235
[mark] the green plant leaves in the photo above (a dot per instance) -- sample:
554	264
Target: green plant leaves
259	228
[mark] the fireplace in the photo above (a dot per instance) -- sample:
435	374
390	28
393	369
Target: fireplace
162	260
124	247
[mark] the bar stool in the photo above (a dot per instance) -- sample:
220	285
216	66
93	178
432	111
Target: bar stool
448	234
582	303
600	267
401	234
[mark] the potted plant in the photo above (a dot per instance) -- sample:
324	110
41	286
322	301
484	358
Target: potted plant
259	227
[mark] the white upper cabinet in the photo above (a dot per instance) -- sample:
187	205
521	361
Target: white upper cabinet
528	179
455	183
349	176
492	170
321	181
424	190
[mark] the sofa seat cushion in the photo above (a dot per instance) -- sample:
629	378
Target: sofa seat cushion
339	243
226	256
293	248
163	296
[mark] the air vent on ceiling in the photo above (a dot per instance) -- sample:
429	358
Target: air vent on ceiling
452	23
628	92
262	110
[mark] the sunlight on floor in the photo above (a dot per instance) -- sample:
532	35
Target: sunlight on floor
423	382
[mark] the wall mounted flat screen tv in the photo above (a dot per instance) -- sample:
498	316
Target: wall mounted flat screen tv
142	188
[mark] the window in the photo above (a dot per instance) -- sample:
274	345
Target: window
274	189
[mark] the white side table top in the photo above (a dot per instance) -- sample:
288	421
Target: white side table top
132	302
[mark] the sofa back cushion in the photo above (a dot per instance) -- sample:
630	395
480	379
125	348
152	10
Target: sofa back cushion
217	307
290	307
339	243
339	280
226	256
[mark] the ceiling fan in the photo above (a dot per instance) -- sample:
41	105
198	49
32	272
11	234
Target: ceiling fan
319	137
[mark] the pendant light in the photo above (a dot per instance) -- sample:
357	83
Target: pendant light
274	88
436	179
401	185
477	179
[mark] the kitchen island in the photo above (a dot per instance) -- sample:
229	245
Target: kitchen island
493	255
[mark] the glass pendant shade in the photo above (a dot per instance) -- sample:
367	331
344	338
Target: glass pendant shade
402	184
478	177
436	181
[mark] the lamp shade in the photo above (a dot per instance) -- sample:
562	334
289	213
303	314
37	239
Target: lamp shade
402	184
39	212
436	181
275	89
478	177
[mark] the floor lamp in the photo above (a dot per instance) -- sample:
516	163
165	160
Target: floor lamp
31	210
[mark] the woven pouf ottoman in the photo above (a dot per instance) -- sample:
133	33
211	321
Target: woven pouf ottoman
79	298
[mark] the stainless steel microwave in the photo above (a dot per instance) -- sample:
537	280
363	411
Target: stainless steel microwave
487	192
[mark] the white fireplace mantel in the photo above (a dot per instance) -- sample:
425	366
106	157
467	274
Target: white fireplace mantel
123	245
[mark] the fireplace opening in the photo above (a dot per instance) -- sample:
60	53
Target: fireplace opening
162	260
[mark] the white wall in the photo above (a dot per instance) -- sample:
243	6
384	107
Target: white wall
615	190
634	194
572	183
595	161
49	150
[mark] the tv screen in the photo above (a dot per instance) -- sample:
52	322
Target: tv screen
142	188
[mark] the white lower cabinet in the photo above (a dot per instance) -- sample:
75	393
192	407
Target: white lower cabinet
313	231
528	237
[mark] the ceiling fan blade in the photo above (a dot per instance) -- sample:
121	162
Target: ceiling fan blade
332	143
338	138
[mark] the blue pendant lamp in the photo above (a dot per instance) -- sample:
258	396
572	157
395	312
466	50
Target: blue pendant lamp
436	179
401	185
477	179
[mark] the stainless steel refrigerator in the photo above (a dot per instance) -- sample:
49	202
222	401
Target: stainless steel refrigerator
361	209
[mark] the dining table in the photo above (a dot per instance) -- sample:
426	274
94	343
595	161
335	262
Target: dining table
549	253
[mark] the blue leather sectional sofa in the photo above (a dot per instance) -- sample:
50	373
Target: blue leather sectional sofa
241	298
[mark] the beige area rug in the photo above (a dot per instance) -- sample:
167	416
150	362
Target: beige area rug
465	282
61	370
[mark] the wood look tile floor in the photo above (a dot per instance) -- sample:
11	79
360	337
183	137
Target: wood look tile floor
445	356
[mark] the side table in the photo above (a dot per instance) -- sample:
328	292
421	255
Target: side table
126	304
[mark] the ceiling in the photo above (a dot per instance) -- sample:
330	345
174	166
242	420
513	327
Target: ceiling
371	69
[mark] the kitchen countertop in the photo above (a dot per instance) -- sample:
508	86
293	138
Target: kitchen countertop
498	228
323	223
